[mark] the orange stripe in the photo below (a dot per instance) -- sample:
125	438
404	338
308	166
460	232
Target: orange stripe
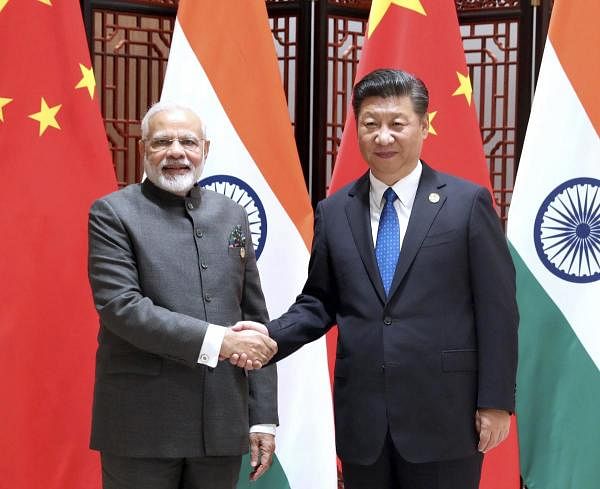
575	37
234	44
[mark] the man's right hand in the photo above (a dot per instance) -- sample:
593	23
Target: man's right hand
254	347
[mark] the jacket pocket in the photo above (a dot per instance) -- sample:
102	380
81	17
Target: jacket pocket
439	238
459	361
134	363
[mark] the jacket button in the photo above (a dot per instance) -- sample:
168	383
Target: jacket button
190	206
203	265
199	233
207	297
387	320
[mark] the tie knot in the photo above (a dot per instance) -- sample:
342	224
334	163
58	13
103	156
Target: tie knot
390	196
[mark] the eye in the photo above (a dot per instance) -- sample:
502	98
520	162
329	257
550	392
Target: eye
188	143
160	143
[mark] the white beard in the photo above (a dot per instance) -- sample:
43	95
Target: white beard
175	184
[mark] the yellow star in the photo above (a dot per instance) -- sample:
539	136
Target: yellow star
3	102
87	80
46	116
464	87
431	116
380	7
4	2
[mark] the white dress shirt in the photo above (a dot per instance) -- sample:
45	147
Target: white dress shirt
406	190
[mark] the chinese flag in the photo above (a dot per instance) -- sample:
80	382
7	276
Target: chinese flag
55	162
423	37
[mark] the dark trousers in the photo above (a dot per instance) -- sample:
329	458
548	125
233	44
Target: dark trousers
169	473
391	471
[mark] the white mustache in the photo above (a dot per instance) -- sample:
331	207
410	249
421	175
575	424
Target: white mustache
184	163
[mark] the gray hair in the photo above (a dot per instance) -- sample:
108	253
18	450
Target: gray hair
163	106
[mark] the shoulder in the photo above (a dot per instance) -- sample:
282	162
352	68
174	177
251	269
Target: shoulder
340	197
458	183
460	189
119	198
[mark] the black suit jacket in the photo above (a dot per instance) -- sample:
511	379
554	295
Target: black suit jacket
421	361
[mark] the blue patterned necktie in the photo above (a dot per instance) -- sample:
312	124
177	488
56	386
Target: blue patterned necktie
387	249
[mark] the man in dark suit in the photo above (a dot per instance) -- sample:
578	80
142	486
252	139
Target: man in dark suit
168	263
413	267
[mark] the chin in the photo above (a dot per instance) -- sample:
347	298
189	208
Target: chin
177	183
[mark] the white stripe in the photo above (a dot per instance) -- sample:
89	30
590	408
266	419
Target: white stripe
305	444
561	144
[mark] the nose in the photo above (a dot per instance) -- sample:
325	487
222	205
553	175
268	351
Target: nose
384	136
175	149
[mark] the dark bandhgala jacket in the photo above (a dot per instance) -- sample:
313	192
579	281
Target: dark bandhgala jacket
161	268
419	362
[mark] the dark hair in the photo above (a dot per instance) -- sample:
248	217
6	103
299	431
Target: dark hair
391	83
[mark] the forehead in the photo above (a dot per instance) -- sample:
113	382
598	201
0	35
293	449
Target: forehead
394	105
175	120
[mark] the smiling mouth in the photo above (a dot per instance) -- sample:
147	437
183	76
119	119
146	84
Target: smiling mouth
175	169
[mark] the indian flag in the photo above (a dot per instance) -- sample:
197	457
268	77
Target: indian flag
554	230
223	62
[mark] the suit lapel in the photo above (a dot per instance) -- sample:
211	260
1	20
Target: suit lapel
358	214
422	215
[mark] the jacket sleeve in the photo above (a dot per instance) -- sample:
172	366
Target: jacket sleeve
121	305
492	276
313	313
262	399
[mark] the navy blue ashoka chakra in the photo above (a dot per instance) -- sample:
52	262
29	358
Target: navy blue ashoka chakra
567	231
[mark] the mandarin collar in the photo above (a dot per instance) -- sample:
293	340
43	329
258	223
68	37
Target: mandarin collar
158	194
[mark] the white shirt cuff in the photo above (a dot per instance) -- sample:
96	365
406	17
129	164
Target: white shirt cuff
211	346
263	428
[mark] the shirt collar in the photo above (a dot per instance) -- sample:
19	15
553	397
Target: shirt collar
405	188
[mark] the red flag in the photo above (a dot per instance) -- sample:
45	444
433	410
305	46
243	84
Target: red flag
423	37
55	163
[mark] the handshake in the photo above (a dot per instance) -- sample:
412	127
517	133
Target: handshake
247	345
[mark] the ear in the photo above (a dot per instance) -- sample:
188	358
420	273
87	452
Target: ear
425	125
142	149
206	148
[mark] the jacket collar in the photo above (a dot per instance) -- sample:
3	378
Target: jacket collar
425	209
160	195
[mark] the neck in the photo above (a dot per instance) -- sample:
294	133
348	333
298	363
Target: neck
392	178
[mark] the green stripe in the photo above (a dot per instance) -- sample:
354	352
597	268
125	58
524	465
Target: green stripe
274	478
558	393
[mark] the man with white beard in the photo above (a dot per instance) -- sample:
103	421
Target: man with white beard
168	165
168	263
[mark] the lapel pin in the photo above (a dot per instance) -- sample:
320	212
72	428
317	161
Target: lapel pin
434	197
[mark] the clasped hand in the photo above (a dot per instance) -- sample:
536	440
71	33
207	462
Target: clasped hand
247	345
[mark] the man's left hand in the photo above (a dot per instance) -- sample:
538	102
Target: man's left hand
262	447
493	426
